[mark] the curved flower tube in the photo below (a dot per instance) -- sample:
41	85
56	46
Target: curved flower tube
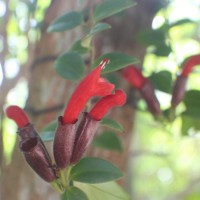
91	120
91	85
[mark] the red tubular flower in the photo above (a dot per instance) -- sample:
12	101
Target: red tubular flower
63	143
134	76
90	122
91	85
107	102
180	84
148	93
189	64
37	157
18	115
31	145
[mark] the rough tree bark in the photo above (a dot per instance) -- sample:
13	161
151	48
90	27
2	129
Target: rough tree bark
48	92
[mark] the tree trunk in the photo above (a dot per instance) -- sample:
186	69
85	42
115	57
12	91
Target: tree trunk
48	92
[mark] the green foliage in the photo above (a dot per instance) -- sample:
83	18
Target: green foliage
111	124
117	61
105	191
110	7
77	47
74	193
108	140
47	136
162	81
94	170
66	22
70	66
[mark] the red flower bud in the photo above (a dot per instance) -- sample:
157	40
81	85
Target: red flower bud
189	64
134	76
91	85
63	143
84	136
18	115
38	158
178	90
147	92
106	103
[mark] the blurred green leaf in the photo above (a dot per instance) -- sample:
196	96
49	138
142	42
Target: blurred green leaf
66	22
162	50
77	47
189	122
181	22
192	103
151	37
47	136
105	191
110	7
113	78
162	80
112	124
94	170
99	27
51	126
74	193
70	66
117	61
108	140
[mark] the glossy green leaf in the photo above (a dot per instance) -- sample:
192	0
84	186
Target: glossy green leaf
192	103
105	191
108	140
117	61
70	66
112	124
94	170
181	22
47	136
110	7
74	193
66	22
77	47
162	81
113	78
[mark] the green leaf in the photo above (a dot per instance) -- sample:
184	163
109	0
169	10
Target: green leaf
162	50
51	126
70	66
86	42
192	103
66	22
110	7
94	170
105	191
77	47
47	136
152	37
181	22
112	124
99	27
162	80
74	193
189	122
108	140
117	61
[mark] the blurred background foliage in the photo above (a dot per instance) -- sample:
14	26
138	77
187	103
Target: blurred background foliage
165	157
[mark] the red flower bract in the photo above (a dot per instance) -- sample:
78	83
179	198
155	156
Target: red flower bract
91	85
18	115
134	76
188	65
106	103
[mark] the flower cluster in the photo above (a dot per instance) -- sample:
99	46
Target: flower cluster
71	138
134	76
